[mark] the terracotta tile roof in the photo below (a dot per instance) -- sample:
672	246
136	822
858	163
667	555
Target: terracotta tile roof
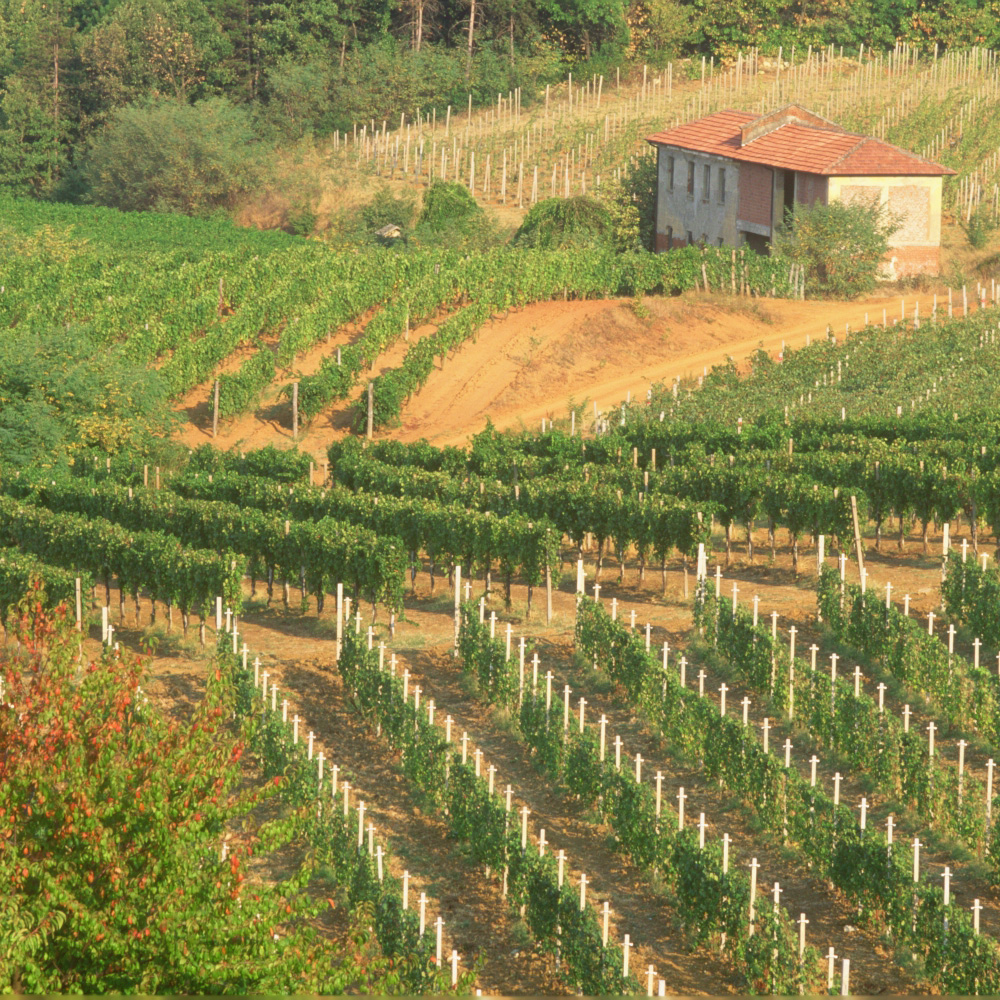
808	148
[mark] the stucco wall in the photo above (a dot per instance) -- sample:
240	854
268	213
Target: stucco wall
916	244
679	212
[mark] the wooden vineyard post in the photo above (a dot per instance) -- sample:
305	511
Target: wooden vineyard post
548	594
215	410
458	617
286	590
754	865
295	410
368	429
340	618
79	607
857	540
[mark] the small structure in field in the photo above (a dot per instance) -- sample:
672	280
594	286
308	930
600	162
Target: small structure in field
729	178
389	232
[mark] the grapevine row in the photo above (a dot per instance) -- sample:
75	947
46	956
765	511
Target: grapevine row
861	863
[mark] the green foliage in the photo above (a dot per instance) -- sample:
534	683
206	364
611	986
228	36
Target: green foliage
631	203
281	465
62	390
445	203
664	29
709	901
861	864
151	560
478	820
387	208
979	227
451	534
49	585
967	696
853	726
565	223
840	246
174	157
971	594
241	390
115	817
318	554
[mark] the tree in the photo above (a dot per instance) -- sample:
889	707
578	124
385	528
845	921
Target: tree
840	246
112	820
631	202
174	157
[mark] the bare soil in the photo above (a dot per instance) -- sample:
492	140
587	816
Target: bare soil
539	361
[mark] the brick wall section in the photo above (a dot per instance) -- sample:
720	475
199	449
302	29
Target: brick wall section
861	194
755	193
916	260
810	188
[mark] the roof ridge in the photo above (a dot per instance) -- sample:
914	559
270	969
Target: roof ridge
850	152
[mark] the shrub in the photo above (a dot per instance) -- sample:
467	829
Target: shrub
446	203
840	246
386	208
979	228
114	816
560	223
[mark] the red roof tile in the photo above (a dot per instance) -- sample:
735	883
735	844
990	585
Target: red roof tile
810	149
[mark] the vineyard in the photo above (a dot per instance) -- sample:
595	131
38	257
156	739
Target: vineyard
683	676
701	692
238	325
586	133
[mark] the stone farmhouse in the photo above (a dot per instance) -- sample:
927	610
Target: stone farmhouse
728	179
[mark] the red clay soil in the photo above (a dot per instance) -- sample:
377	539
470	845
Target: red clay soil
537	361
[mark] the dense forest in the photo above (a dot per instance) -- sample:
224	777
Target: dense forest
83	83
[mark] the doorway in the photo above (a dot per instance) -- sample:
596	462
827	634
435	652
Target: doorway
789	199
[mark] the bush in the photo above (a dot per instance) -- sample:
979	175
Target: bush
564	223
64	390
114	817
386	208
445	203
174	157
840	246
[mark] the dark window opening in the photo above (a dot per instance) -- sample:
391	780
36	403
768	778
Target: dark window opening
789	191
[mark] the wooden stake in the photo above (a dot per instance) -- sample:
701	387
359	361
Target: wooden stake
857	535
